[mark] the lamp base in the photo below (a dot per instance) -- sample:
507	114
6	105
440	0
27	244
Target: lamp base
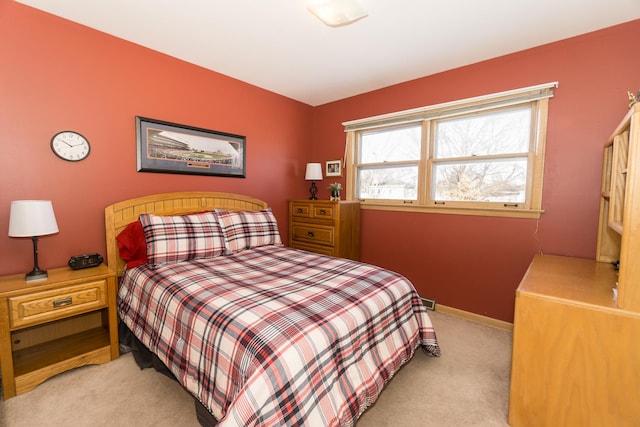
36	274
313	190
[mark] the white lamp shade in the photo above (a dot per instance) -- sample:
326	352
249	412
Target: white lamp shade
314	172
30	218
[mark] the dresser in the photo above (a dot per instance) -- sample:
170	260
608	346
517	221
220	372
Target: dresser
576	332
52	325
325	227
576	357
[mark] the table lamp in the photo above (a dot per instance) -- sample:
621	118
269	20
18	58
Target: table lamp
314	173
32	218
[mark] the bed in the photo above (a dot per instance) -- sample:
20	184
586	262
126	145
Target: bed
260	334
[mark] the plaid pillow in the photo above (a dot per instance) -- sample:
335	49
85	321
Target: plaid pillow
182	237
249	229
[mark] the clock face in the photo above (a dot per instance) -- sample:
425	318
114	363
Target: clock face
71	146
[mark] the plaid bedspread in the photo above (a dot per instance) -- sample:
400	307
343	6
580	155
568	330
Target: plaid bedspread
276	336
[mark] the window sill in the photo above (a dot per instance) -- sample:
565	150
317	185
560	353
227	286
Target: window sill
508	213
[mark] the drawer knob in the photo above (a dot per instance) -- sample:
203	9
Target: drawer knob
323	212
310	234
62	302
299	210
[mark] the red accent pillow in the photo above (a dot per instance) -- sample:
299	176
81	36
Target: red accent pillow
132	245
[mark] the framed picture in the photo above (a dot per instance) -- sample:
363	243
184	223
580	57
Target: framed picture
165	147
333	168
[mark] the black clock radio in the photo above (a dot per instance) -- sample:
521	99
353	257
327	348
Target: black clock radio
78	262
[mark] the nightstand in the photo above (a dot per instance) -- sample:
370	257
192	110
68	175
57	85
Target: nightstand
52	325
325	227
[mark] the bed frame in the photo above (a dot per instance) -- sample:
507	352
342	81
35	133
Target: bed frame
121	214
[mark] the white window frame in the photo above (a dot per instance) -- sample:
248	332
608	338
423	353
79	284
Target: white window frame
535	96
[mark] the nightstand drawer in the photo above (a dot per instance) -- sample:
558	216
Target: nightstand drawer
311	234
43	306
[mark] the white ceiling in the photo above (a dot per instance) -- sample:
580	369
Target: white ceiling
279	46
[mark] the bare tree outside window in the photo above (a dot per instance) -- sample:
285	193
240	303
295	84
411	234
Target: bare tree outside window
475	156
483	157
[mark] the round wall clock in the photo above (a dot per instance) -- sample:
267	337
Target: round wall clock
70	145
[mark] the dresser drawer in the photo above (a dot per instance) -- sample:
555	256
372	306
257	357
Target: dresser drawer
43	306
312	234
322	211
323	250
301	210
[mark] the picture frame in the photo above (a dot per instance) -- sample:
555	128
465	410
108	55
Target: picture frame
333	168
165	147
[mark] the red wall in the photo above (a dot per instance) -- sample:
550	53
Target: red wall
57	75
476	263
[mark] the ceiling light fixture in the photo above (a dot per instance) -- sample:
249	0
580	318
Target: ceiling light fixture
336	13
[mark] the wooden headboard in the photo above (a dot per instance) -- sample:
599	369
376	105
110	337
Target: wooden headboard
121	214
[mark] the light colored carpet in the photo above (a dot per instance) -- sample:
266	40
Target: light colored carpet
467	386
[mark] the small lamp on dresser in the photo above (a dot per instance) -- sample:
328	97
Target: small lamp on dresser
32	218
314	173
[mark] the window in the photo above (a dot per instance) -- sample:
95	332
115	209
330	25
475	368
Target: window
389	161
478	156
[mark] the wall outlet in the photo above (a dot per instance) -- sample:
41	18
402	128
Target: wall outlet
429	303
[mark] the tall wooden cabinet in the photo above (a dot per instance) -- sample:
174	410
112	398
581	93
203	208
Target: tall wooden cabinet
576	347
325	227
619	225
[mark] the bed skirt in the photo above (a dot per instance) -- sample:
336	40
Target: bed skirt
145	359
